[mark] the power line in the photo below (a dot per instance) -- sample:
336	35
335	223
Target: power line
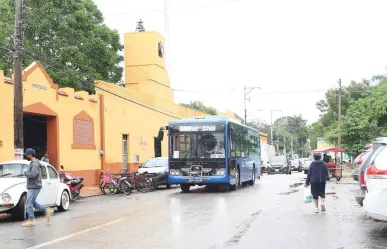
199	91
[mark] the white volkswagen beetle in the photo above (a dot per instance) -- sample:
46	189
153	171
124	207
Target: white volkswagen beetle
13	188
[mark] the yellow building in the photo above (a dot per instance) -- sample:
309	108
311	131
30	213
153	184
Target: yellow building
93	133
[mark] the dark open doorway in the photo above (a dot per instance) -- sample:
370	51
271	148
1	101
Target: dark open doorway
35	133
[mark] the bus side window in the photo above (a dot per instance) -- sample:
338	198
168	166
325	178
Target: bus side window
232	147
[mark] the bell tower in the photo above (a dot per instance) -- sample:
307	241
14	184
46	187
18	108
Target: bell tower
145	64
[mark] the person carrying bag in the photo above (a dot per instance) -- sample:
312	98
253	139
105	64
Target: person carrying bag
317	176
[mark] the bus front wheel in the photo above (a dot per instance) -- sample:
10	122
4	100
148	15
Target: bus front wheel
237	182
185	187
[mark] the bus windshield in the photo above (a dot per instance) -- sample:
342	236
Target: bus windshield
198	145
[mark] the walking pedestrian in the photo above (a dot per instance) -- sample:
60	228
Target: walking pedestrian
317	176
45	157
34	185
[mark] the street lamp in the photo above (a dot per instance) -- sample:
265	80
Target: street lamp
254	112
247	91
271	124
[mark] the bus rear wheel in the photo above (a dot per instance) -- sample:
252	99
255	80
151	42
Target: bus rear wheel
252	181
185	187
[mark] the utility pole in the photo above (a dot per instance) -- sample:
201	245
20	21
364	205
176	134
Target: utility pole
246	91
339	116
17	83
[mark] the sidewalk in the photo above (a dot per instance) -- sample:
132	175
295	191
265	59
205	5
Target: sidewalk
90	191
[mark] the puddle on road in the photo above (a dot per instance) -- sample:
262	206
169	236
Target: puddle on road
242	228
292	188
295	185
289	192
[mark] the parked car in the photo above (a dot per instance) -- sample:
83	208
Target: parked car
13	189
357	163
377	146
296	165
158	168
307	164
376	180
279	165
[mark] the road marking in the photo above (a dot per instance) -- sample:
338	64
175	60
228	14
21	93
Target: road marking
74	234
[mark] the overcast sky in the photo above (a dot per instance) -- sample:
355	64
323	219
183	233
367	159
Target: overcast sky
294	50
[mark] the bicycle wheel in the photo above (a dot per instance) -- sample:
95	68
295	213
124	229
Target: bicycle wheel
144	185
110	188
102	188
125	187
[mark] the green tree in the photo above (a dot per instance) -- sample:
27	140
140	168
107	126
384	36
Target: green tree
316	130
69	38
365	119
200	106
6	34
328	107
292	129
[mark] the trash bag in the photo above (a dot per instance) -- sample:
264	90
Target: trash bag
307	195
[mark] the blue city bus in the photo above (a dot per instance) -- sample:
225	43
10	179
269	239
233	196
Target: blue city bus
212	151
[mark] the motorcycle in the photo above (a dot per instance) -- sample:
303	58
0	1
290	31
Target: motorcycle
75	183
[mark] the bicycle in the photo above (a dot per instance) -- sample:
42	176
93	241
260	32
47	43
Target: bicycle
122	185
106	185
141	182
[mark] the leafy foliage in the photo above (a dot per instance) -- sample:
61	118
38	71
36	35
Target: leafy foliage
327	125
70	39
366	119
363	114
200	106
292	130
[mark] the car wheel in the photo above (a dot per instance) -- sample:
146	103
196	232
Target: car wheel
19	212
185	187
64	201
168	186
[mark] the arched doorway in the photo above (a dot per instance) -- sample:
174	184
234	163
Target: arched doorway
41	131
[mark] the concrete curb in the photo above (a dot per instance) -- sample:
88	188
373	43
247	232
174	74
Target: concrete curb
90	196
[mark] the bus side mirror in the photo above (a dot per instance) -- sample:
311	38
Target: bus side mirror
233	136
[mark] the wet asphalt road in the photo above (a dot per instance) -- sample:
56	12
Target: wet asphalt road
268	215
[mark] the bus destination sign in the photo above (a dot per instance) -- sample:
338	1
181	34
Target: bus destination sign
197	128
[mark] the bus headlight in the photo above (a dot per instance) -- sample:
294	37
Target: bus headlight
174	172
220	172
